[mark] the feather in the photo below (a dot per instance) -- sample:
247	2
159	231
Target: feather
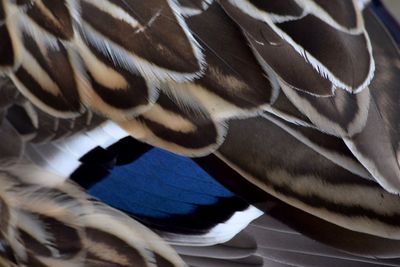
342	114
194	7
329	146
274	53
231	86
162	72
142	36
281	49
281	217
293	173
45	37
61	225
178	128
382	113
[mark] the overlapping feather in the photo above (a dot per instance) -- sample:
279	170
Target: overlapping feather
60	225
175	73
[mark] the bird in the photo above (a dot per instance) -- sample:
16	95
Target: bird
291	105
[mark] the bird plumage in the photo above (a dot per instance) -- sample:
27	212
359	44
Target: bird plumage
296	96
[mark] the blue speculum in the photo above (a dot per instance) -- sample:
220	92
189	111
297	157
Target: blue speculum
159	184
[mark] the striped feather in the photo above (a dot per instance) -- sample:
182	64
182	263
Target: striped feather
344	15
322	67
178	128
274	53
9	49
148	74
130	59
231	86
38	77
300	177
55	18
286	218
142	37
58	225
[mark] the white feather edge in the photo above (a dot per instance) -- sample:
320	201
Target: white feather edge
345	162
190	12
311	7
321	122
221	233
255	13
134	63
389	185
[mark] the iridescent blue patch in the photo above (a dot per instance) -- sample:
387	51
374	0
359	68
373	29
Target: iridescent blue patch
159	184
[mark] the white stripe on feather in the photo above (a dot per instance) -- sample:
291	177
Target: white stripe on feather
311	7
221	233
115	12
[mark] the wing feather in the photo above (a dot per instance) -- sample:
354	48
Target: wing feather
178	128
294	174
273	44
53	226
377	146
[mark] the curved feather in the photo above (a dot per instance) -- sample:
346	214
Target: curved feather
178	128
132	55
287	219
188	122
293	173
280	48
233	83
342	114
60	225
331	147
377	146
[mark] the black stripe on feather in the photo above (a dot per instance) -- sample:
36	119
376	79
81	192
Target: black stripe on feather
178	128
137	92
52	16
7	56
55	62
